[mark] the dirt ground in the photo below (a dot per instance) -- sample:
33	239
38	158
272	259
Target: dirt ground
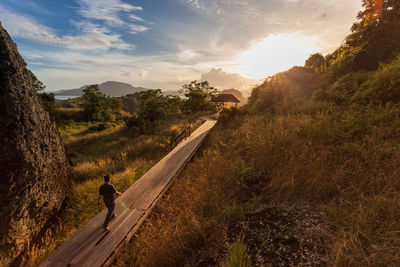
283	235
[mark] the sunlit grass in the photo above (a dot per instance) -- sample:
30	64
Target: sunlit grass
346	160
114	150
237	255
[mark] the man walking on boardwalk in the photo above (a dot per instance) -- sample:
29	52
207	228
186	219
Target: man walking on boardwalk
107	190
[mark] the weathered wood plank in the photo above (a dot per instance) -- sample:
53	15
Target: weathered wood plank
92	246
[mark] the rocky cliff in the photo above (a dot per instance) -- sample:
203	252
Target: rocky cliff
33	165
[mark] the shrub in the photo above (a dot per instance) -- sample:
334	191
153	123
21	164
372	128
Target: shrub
382	87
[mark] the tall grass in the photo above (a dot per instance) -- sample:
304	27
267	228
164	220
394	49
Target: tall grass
237	256
343	159
113	150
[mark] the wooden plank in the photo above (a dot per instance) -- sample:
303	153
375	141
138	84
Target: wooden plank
92	246
146	189
98	254
85	250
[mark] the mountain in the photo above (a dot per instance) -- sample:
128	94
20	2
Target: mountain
238	94
110	88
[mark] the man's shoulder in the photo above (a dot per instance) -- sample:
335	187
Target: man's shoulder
107	185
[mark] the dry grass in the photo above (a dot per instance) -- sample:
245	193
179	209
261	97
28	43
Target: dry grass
116	151
346	160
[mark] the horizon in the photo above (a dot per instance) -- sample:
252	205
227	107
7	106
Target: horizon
231	44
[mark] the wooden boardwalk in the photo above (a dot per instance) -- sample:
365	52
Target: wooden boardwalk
92	246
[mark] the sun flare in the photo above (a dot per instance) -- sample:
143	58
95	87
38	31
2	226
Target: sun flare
274	54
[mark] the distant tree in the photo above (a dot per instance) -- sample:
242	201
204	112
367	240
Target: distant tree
130	103
37	84
199	95
316	62
97	106
174	104
116	104
49	101
152	105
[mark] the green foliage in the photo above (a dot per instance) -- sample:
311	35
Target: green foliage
375	38
237	255
316	62
175	104
382	87
343	89
115	104
130	103
152	108
49	101
97	106
285	88
199	95
379	87
37	84
152	105
65	115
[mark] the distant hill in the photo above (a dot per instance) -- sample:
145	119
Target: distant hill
110	88
238	94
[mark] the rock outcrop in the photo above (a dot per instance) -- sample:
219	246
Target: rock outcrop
33	164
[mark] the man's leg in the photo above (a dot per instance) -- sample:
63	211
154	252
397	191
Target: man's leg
110	206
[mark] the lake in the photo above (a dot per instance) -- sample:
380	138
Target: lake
65	97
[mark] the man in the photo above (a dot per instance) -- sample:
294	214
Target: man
107	190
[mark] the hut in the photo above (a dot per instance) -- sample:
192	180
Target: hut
226	100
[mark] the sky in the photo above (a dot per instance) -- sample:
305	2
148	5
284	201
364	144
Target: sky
167	43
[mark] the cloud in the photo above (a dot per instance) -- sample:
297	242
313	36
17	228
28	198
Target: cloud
143	73
222	80
134	29
95	41
328	20
106	10
194	3
25	27
93	37
31	56
110	11
135	18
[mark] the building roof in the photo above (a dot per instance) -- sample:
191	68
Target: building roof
226	98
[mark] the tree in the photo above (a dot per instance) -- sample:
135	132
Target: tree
37	84
49	101
174	104
152	105
97	106
116	104
199	95
374	39
316	62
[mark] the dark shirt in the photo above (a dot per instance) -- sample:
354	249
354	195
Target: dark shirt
108	191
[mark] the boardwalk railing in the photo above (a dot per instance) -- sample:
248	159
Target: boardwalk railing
183	135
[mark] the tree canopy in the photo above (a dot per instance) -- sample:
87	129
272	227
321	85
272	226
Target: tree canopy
199	95
374	38
97	106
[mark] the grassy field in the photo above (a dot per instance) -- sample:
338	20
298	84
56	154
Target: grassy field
341	161
96	149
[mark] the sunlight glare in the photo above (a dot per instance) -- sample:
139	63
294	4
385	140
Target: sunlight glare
274	54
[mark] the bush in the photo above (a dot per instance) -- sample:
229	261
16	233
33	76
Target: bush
343	89
49	101
382	87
